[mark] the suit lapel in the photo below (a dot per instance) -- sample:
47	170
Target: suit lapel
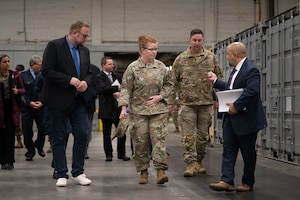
69	56
239	78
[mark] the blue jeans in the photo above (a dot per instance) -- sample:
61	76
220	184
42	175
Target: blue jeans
78	115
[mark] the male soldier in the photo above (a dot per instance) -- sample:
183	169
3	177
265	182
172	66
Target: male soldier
189	73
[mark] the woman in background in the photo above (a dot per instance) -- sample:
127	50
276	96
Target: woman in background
10	87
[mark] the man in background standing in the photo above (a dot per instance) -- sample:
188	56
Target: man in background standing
90	96
34	111
109	111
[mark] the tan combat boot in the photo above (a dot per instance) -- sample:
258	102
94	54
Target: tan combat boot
161	177
199	168
19	142
190	170
143	177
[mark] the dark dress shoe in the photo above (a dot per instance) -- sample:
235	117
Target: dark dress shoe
221	186
41	152
244	188
124	158
28	158
108	159
54	175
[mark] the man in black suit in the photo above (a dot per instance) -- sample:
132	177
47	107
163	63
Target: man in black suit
244	119
90	97
109	111
66	69
34	111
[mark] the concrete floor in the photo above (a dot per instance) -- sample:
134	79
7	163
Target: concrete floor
117	180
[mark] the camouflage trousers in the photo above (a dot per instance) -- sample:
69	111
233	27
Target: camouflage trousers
145	129
194	121
175	116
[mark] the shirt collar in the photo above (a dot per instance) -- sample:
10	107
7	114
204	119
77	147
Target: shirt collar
107	73
69	43
239	65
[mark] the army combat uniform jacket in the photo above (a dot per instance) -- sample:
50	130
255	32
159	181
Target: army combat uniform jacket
189	74
140	82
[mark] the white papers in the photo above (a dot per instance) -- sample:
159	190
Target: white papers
116	83
227	96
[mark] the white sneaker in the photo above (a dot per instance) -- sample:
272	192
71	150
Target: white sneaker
62	182
82	179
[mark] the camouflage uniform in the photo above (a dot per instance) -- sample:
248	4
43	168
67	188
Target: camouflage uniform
174	115
189	74
139	83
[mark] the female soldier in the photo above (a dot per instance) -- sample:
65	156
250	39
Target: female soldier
144	90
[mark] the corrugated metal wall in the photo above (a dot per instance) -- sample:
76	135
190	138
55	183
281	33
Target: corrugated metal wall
275	47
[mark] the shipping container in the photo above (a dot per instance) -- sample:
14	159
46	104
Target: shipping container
274	46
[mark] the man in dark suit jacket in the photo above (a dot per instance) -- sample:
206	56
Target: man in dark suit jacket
90	96
109	111
244	119
66	69
34	111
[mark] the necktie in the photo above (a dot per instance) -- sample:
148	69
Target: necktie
110	77
75	58
35	75
230	78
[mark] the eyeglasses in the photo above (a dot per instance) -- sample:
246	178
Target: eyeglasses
152	49
84	36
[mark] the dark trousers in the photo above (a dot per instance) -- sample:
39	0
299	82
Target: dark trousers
7	135
90	119
232	143
78	115
28	117
107	126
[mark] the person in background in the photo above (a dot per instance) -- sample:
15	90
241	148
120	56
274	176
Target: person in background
109	111
66	69
144	92
34	111
19	68
244	119
90	96
194	90
11	86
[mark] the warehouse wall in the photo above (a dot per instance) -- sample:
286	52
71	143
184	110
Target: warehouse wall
27	25
122	21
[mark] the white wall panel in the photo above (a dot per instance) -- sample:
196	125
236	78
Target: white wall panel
168	20
53	18
11	21
121	21
237	15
